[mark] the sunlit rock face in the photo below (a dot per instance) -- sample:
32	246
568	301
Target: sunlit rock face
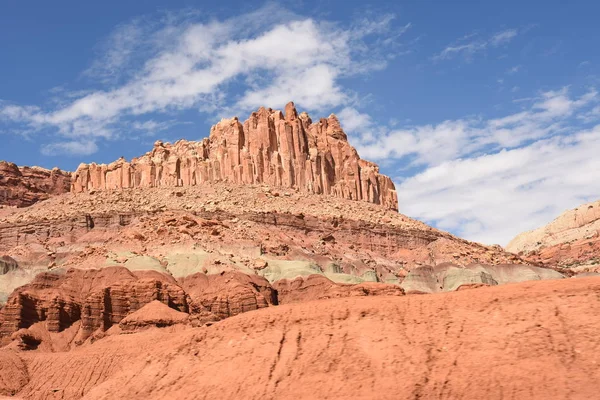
282	149
24	186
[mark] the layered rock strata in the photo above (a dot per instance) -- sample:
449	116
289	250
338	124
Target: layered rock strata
271	147
571	241
99	298
24	186
532	340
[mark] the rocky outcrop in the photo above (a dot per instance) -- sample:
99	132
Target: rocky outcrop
7	264
318	287
271	147
103	298
229	293
24	186
571	241
99	298
447	277
107	307
153	314
220	226
533	340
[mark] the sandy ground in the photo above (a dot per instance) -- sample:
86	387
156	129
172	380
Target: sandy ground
533	340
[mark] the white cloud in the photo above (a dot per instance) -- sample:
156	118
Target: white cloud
503	37
513	70
469	49
590	116
436	144
488	180
151	127
72	148
354	120
117	51
194	65
493	197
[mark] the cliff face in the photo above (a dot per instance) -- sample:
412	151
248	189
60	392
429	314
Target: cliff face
572	240
271	147
24	186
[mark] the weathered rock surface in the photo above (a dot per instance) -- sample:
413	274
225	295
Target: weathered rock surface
13	373
221	227
318	287
24	186
155	314
539	340
7	264
99	298
448	277
229	293
571	241
283	150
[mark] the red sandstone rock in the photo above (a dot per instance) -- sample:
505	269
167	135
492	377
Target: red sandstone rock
318	287
13	373
533	340
229	294
79	230
7	264
24	186
154	313
570	242
269	148
99	298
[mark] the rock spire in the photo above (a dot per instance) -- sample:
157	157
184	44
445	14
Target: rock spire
282	149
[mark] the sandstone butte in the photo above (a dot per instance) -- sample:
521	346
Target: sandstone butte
571	241
283	149
24	186
269	261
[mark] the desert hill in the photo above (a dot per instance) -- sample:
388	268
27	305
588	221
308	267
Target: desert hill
534	340
571	241
275	218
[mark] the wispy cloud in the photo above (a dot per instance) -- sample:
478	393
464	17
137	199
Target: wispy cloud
493	197
435	144
117	51
489	179
469	45
513	70
70	148
152	127
503	37
188	64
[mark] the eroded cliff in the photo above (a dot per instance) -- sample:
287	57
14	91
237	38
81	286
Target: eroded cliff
24	186
270	147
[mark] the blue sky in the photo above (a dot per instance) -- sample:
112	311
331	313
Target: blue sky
486	114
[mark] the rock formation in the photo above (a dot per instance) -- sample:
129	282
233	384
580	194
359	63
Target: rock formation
7	264
318	287
155	314
447	277
24	186
222	228
538	340
99	298
229	293
571	241
271	147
